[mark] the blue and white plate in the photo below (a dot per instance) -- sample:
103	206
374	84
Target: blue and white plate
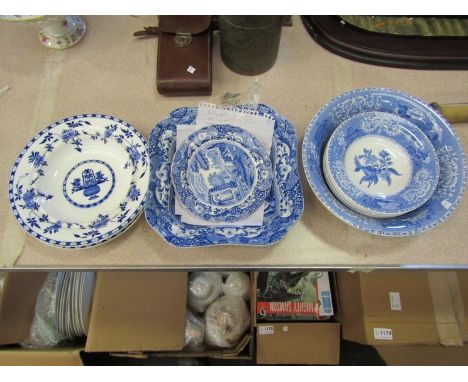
380	164
221	173
285	202
452	162
81	181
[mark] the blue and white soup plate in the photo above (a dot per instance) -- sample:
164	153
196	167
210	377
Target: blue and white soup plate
380	164
81	181
450	154
283	206
221	173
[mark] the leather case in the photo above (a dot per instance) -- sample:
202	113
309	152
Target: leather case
184	55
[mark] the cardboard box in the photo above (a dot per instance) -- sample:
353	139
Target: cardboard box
295	343
137	311
293	296
134	314
43	357
462	278
147	310
401	308
17	306
300	343
424	355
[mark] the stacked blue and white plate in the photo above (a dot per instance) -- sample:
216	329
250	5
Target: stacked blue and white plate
384	162
80	182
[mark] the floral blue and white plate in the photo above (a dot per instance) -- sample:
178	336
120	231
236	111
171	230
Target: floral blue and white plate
221	173
452	162
380	164
284	204
81	181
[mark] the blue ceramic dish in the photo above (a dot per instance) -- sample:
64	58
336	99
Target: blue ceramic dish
285	203
81	181
221	173
452	162
382	164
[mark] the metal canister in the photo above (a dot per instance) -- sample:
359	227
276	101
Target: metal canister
249	44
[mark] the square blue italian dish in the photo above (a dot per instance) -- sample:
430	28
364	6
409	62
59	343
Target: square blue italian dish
285	203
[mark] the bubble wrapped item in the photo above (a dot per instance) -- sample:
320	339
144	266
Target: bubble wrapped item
43	332
194	331
237	284
226	320
203	289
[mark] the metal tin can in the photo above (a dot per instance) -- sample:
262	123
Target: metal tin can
249	44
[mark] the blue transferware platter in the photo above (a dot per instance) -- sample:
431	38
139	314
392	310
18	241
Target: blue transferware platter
381	164
221	173
452	162
284	204
81	181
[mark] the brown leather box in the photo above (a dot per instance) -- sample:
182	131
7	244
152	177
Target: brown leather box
184	55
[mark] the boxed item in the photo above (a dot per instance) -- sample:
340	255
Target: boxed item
301	343
293	296
424	355
217	310
148	311
67	356
298	343
134	314
462	278
17	307
403	307
137	311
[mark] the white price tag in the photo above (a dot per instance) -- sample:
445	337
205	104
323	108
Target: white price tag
285	328
262	330
383	334
395	301
191	69
446	204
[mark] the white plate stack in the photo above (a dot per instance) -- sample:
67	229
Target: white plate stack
73	303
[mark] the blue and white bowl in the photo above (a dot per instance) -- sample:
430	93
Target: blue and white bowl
452	162
81	181
221	173
380	165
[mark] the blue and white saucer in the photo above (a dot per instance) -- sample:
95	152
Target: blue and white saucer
452	162
284	204
81	181
221	173
380	164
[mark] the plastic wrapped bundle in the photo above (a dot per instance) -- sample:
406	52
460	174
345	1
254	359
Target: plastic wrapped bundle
43	332
226	320
237	284
203	289
194	331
